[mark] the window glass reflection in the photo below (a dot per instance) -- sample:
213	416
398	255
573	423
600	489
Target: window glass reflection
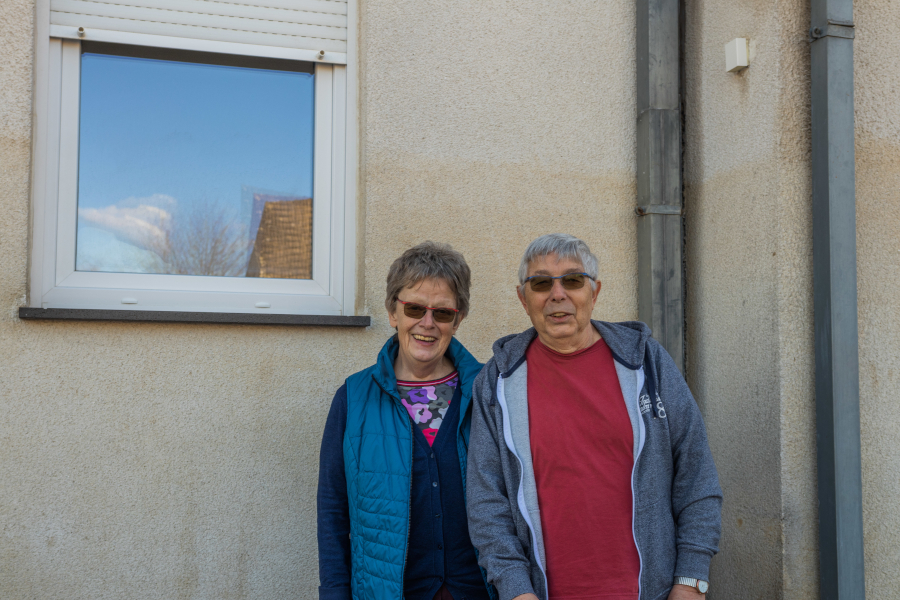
194	169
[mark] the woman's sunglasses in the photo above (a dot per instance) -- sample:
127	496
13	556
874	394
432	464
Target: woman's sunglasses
417	311
570	281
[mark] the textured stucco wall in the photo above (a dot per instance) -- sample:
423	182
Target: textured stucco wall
176	461
749	313
486	124
749	300
877	97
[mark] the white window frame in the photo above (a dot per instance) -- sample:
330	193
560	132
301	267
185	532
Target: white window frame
56	284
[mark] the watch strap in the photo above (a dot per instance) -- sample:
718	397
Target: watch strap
694	583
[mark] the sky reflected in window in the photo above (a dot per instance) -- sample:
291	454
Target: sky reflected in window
194	169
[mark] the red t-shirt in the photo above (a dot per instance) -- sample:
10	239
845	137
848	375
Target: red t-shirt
582	446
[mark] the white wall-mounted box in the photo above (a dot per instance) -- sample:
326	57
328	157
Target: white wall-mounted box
737	55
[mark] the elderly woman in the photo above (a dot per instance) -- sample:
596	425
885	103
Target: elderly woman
392	472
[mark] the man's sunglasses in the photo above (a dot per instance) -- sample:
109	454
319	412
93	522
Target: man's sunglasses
570	281
417	311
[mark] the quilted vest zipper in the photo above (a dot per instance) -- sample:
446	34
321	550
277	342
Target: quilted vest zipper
412	451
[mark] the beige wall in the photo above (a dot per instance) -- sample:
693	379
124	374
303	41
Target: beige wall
749	305
749	288
179	461
878	263
176	461
474	135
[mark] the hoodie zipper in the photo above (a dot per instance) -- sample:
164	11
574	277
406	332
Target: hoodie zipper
459	435
520	494
641	436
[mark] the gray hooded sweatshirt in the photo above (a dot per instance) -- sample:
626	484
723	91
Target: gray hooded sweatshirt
676	507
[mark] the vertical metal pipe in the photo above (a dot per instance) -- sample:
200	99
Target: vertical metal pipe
841	563
659	184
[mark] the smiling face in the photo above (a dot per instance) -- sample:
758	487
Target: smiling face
562	317
424	341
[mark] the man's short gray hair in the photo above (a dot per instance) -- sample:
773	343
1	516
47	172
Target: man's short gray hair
562	245
430	260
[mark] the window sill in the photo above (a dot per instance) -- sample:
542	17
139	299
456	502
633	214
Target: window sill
161	316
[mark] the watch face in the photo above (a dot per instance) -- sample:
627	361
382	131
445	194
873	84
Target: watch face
702	586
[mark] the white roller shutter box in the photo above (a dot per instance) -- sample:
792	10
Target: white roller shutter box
299	29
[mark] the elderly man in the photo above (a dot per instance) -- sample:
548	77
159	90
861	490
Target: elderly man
589	474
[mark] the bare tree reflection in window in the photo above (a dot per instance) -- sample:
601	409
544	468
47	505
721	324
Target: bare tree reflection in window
158	234
204	239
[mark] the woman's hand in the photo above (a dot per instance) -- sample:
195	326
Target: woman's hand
526	597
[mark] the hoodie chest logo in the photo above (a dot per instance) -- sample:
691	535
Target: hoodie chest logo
646	406
644	403
660	409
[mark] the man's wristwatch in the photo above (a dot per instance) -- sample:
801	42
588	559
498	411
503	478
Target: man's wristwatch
698	584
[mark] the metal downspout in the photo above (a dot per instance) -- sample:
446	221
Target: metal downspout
659	184
841	561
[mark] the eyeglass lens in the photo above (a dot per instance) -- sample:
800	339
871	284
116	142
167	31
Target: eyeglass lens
572	281
417	311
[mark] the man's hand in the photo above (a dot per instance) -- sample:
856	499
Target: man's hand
526	597
685	592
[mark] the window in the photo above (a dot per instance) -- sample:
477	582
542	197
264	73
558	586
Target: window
195	161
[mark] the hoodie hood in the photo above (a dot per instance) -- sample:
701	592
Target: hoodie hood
627	341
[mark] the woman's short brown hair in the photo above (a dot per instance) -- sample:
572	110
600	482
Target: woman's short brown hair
430	260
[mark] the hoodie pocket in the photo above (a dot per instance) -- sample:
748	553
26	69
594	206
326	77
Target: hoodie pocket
655	527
